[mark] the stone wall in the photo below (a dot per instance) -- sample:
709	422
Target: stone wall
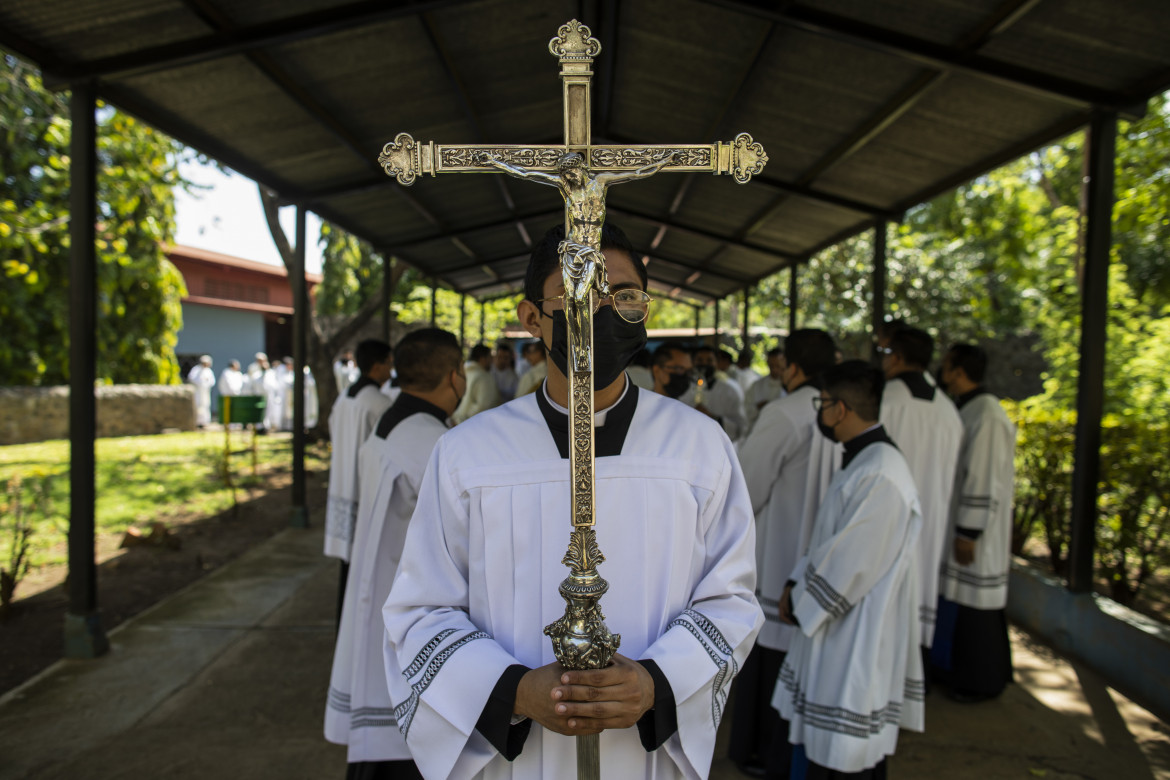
29	414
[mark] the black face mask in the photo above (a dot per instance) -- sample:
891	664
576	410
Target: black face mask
678	384
615	342
826	430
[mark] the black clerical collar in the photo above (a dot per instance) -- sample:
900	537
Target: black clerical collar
405	406
965	398
360	385
919	387
858	443
608	439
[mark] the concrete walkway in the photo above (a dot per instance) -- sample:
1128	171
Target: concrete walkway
227	679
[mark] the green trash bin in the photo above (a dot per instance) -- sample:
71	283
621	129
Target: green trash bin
242	409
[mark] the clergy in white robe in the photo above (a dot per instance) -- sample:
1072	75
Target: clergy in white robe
972	649
765	390
925	425
232	381
479	577
716	395
203	378
354	415
853	674
482	393
787	465
537	362
312	404
345	372
359	712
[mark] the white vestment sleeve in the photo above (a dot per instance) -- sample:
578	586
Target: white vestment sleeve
702	649
840	570
449	666
763	454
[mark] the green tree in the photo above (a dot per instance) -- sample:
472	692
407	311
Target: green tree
138	290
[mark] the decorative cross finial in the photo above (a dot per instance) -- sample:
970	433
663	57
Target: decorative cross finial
574	42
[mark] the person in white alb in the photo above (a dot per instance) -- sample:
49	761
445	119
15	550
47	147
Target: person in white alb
787	466
203	378
853	675
537	362
972	652
765	389
715	394
480	694
358	712
482	392
925	425
232	381
354	415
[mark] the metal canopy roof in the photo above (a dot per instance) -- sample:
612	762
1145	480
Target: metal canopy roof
865	108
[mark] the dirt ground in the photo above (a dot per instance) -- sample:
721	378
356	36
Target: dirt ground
130	580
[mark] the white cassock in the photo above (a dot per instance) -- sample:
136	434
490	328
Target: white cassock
531	380
288	381
392	460
345	374
231	382
746	378
204	379
312	404
761	393
354	415
724	399
853	675
787	465
925	425
272	388
479	577
481	393
984	486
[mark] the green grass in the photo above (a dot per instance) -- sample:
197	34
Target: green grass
138	479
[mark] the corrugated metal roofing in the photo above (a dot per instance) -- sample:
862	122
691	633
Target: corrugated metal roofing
865	107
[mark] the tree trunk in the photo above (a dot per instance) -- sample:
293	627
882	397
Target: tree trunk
323	347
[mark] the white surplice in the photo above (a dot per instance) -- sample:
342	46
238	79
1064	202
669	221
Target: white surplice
761	393
359	713
204	379
853	675
787	465
929	433
479	577
984	488
350	423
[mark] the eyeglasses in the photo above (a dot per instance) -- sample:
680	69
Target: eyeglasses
820	403
884	350
631	305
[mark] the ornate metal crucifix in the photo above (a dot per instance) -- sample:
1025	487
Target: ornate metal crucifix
581	172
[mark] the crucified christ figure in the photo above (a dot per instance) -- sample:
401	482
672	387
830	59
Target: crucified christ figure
584	194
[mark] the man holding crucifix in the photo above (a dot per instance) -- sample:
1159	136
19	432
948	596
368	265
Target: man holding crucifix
467	662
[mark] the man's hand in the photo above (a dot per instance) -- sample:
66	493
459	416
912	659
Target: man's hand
964	550
785	612
586	701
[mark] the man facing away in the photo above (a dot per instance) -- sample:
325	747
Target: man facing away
480	694
482	393
767	389
787	466
232	380
391	461
504	370
927	429
354	415
853	675
972	651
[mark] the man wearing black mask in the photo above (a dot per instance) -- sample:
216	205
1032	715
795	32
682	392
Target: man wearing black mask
672	370
479	575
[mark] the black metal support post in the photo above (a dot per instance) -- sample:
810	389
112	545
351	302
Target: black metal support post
387	274
462	321
792	296
482	321
84	636
434	302
1102	137
715	326
698	311
878	303
299	517
746	303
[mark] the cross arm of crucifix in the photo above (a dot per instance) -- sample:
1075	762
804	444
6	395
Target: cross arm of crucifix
407	159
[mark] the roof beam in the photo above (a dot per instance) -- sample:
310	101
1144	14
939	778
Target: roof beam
227	42
688	230
931	54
